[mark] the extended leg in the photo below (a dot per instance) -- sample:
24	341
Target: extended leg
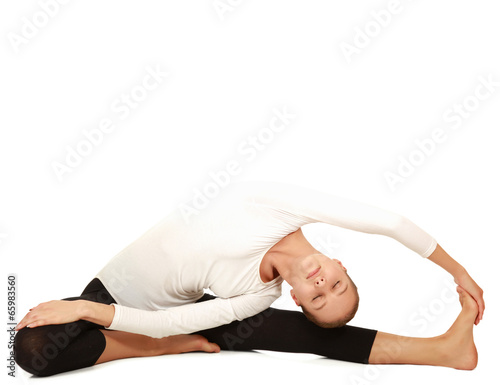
290	331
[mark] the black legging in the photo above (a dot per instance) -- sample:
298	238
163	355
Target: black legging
52	349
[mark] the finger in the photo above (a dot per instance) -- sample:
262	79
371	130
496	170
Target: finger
22	323
25	324
34	324
481	310
480	305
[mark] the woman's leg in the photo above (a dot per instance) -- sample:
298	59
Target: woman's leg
290	331
51	349
279	330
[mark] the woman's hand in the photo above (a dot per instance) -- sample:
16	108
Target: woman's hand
52	313
464	279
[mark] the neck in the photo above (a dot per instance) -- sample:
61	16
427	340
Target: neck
282	265
283	260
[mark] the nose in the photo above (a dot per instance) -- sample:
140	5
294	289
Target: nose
320	281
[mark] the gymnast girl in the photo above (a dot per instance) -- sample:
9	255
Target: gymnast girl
150	298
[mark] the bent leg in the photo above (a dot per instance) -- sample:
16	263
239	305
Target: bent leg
51	349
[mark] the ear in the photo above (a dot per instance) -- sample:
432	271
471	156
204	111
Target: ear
340	263
294	298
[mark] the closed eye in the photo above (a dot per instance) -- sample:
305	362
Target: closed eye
333	287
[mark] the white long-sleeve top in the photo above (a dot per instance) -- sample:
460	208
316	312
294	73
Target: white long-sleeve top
157	278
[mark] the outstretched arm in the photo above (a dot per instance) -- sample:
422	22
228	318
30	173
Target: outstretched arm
294	206
298	205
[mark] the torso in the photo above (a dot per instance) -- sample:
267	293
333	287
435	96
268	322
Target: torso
292	244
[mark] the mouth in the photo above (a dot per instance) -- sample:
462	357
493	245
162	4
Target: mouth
314	272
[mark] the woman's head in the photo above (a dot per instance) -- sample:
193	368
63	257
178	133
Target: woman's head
324	290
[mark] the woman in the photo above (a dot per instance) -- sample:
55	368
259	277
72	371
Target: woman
241	247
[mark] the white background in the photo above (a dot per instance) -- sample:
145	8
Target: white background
355	118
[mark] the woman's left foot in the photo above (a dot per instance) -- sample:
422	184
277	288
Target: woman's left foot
459	350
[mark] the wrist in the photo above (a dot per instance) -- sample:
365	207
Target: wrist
459	273
84	309
98	313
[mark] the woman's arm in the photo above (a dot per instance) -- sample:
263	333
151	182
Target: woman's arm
187	318
462	278
63	311
298	205
182	319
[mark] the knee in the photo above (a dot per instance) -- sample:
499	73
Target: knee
32	353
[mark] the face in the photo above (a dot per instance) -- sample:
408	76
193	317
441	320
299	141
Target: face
322	287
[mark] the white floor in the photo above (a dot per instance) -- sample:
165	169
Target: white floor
259	367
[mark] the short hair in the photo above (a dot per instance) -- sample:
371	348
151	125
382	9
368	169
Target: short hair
337	323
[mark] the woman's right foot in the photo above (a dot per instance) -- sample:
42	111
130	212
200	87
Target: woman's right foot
459	351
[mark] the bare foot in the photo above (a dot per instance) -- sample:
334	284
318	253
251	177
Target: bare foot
459	350
184	343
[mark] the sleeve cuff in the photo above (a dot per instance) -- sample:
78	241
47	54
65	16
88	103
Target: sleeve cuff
430	249
116	317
